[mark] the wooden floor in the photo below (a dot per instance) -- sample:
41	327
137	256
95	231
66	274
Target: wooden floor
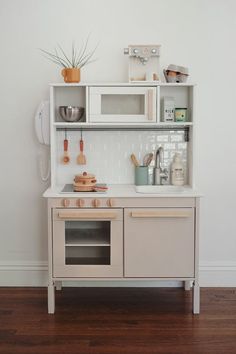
117	320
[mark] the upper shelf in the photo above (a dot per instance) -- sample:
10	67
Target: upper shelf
144	83
151	105
160	125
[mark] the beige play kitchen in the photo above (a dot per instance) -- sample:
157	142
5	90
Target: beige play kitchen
102	223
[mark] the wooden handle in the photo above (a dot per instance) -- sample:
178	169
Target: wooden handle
149	160
134	160
159	214
86	215
65	145
150	104
81	145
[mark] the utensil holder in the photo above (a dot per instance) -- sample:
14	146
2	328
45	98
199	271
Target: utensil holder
141	175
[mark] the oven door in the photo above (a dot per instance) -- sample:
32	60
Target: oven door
87	243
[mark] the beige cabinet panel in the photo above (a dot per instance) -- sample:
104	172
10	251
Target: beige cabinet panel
159	242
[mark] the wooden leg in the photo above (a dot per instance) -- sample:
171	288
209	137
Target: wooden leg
51	298
196	298
187	285
58	285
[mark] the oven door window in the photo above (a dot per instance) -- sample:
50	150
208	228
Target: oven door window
122	104
87	242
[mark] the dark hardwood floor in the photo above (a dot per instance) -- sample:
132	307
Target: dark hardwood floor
117	320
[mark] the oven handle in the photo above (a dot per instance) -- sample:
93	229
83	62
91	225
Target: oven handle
87	215
159	214
150	104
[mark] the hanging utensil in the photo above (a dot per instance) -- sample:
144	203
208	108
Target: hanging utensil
81	159
147	159
65	158
134	160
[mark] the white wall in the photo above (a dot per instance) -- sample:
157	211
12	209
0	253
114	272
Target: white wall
196	33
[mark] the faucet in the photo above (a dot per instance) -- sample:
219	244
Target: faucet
160	173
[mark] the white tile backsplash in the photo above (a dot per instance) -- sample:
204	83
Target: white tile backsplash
108	153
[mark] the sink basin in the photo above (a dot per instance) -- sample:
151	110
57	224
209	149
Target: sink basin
160	189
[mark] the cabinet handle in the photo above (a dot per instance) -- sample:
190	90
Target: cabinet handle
160	214
150	104
86	215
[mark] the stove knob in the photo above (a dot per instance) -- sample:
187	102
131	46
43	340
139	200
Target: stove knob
80	203
96	203
66	203
110	202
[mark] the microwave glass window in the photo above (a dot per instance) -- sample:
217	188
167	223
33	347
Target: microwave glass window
87	242
122	104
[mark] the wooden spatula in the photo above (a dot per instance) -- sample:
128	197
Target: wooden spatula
81	159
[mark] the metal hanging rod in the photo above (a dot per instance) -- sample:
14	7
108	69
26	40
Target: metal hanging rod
186	129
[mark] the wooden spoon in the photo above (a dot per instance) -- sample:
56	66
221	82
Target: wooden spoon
65	158
81	159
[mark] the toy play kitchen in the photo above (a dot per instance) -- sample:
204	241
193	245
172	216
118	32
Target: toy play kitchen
101	226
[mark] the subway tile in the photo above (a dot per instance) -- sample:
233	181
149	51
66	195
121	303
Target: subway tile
108	153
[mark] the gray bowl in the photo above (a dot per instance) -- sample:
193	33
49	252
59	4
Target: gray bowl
71	113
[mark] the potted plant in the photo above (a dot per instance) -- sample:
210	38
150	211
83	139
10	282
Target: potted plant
73	63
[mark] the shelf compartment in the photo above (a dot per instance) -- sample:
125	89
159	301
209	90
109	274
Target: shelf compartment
183	97
69	96
87	233
87	255
86	239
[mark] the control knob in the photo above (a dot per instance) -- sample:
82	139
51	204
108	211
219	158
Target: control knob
110	202
66	203
80	203
96	203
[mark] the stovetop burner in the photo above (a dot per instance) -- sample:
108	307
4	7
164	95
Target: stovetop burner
68	188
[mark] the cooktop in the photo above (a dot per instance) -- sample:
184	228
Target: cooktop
68	188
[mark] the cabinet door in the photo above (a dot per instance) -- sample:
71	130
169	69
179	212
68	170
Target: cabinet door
122	104
159	242
87	243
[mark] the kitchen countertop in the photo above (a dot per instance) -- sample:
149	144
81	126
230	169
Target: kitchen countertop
120	191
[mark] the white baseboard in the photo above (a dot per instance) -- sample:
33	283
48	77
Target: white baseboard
217	274
23	273
211	274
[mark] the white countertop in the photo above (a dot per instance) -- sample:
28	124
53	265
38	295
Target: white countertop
120	191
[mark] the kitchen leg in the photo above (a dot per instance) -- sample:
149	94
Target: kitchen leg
187	285
58	285
196	297
51	298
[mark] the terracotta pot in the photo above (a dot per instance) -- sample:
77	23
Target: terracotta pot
84	182
79	187
85	178
71	74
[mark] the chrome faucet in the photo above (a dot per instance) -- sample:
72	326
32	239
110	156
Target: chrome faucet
160	173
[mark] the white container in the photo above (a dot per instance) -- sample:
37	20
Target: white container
168	109
177	171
